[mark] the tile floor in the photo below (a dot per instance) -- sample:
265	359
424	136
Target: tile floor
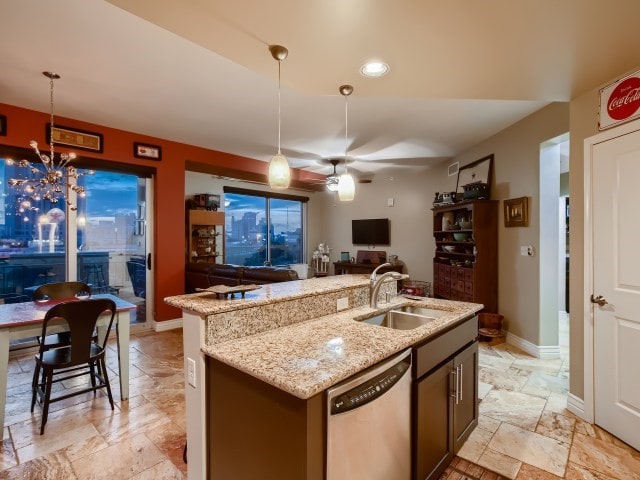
524	432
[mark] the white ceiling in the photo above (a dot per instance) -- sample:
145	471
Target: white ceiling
199	71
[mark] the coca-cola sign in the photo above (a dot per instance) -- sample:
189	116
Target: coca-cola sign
620	101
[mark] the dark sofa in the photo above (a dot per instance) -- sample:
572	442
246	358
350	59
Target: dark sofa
204	275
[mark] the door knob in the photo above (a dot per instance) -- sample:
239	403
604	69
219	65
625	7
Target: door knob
600	300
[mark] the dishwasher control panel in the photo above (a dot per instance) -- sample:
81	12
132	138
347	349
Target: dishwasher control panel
371	389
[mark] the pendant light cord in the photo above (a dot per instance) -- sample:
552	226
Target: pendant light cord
346	130
51	116
279	107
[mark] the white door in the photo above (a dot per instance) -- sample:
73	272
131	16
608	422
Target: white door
616	277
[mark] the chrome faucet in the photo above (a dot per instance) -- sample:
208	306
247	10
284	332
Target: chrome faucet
376	282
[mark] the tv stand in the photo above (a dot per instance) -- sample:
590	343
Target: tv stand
343	268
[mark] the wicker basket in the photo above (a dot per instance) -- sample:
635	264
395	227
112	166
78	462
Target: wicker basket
416	288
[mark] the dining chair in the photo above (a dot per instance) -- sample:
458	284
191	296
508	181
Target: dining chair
82	356
57	291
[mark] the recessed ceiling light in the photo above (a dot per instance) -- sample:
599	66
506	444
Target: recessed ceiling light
374	69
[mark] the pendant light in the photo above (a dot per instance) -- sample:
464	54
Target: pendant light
346	185
279	172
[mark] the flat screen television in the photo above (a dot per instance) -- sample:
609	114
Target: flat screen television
370	231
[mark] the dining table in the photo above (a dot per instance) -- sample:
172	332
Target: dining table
24	320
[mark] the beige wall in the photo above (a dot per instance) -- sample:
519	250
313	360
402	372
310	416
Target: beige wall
410	217
516	174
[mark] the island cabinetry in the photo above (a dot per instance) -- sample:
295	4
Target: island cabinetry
258	431
465	264
444	398
205	236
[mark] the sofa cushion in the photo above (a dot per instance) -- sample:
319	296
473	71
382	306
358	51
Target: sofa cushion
260	275
204	275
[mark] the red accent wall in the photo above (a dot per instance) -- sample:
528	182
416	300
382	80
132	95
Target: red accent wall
169	204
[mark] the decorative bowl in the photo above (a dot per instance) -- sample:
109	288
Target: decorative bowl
461	237
449	248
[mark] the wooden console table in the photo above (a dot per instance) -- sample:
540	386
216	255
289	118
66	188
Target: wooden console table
342	268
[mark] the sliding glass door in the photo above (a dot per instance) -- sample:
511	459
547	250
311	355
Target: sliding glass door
111	237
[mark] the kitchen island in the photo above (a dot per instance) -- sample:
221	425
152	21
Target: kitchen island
291	338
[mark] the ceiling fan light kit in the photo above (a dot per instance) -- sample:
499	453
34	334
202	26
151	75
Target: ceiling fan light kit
346	185
279	171
333	179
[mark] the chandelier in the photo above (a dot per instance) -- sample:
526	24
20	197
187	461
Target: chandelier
49	179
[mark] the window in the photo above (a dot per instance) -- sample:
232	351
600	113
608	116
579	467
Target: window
263	228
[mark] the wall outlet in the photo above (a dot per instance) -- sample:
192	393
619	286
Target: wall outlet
342	304
191	372
527	251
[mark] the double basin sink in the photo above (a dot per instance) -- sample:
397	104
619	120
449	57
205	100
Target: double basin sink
406	317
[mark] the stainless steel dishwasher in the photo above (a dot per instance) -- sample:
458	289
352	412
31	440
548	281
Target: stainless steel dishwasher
369	423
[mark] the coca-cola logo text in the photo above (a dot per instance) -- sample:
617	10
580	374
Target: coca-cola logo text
625	99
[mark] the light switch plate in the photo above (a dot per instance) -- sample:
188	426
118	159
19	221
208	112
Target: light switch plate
390	202
191	372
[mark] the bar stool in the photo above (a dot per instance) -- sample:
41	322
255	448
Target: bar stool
94	275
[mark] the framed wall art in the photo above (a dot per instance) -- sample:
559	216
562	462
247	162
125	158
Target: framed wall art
73	137
3	125
144	150
516	212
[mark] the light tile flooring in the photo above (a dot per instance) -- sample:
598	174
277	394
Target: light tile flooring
525	431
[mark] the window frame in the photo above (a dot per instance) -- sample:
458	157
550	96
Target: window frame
268	196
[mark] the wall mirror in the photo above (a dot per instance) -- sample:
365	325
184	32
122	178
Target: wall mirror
476	172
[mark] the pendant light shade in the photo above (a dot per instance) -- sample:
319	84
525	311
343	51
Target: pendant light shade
346	188
346	185
279	172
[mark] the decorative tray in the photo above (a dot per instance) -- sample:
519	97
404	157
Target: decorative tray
223	291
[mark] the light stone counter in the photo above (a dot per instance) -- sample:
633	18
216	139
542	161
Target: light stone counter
305	358
205	303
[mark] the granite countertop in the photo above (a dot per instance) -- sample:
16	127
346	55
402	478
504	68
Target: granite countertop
305	358
207	303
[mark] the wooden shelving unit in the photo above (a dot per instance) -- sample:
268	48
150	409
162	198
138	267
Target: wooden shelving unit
205	235
469	271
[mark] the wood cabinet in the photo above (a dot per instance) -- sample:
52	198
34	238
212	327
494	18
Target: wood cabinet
465	264
342	268
205	236
445	392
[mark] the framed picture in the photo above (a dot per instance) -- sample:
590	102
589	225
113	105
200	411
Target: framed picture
516	212
3	125
144	150
345	257
453	169
73	137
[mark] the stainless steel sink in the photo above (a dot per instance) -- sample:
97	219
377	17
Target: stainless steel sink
399	320
424	311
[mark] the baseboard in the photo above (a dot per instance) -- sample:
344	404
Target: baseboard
167	325
576	406
543	352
